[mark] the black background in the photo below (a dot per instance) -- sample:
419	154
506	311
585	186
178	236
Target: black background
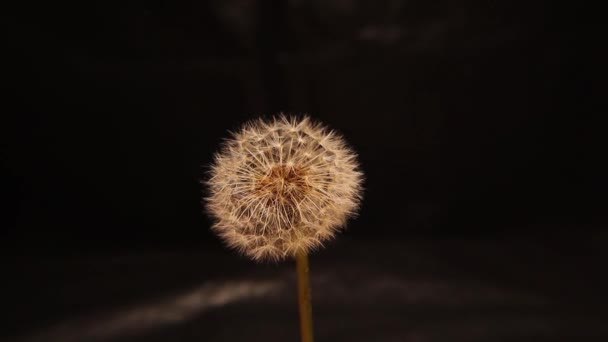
475	117
473	120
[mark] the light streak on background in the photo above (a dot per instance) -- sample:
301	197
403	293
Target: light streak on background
154	315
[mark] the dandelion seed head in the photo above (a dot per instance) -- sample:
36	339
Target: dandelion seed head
281	186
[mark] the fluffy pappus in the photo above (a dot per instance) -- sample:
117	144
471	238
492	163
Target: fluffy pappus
282	185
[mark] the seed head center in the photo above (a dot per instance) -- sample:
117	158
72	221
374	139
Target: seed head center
283	182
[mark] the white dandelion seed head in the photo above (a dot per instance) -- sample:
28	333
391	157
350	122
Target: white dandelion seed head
281	186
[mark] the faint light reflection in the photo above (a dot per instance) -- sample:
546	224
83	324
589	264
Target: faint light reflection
154	315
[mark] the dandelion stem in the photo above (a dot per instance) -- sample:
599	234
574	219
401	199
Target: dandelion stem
304	302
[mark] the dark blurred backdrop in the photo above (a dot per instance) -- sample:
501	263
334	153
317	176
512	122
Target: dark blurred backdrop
480	128
475	117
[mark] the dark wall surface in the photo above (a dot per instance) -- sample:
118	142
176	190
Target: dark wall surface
479	125
470	118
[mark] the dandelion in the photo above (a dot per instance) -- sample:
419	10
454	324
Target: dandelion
282	186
